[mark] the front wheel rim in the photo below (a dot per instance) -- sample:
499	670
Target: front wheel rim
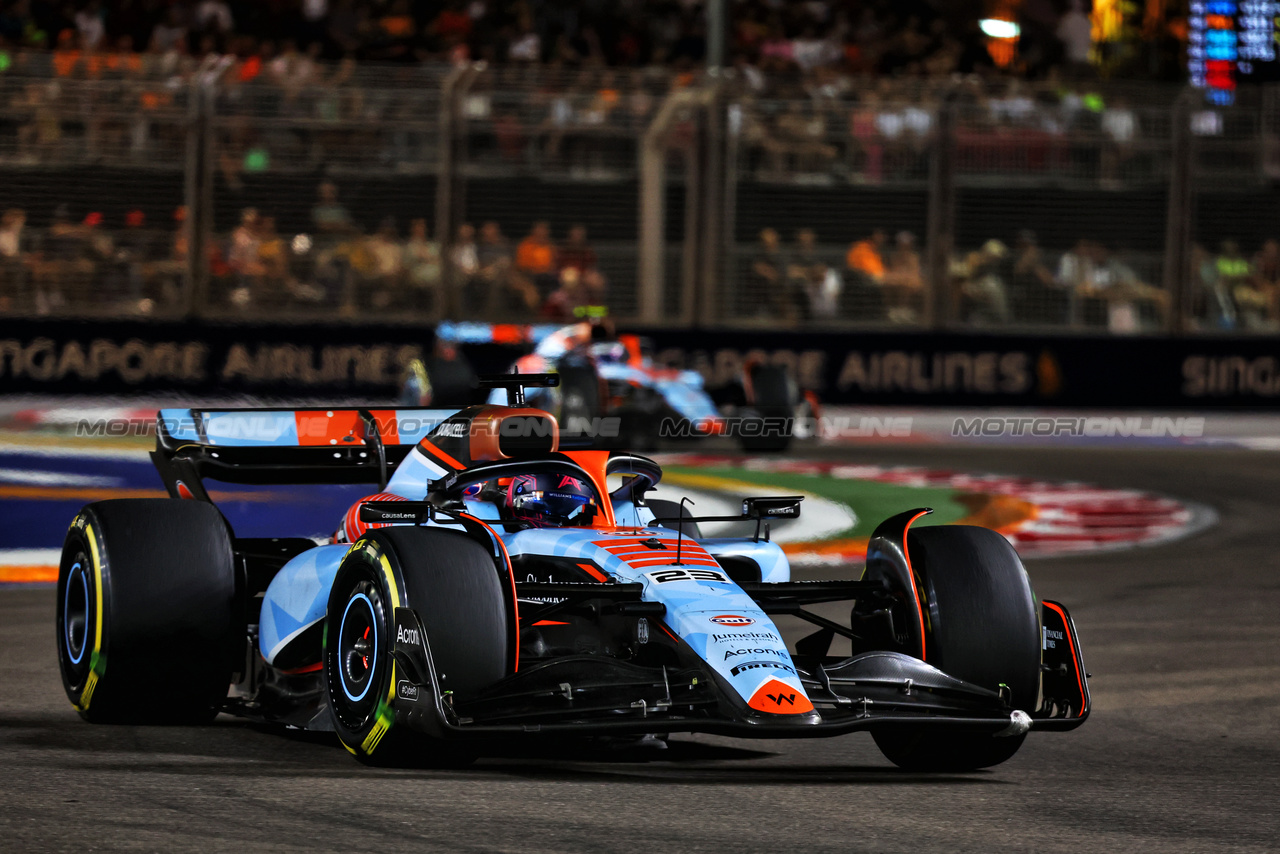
355	660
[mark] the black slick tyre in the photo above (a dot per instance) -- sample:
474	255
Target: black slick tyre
451	581
147	621
984	628
579	393
766	420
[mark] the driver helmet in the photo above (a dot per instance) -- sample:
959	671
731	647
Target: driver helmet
549	500
610	351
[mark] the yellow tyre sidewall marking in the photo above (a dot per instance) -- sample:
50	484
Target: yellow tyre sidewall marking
385	713
97	661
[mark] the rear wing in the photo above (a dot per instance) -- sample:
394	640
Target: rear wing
265	446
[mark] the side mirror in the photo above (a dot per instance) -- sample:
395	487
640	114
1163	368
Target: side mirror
373	512
772	507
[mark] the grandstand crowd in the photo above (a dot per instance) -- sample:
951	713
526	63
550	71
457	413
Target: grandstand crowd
824	93
882	37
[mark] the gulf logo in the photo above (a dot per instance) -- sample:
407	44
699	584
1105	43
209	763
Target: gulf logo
731	620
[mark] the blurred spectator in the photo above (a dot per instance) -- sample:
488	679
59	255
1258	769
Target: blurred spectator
169	31
812	284
213	16
1131	304
1120	124
801	136
508	289
273	259
328	214
90	24
15	259
1105	291
864	298
983	298
536	257
904	280
571	299
1236	276
766	292
1211	304
423	266
865	258
1266	279
577	255
133	250
65	260
386	269
1034	294
1075	31
244	260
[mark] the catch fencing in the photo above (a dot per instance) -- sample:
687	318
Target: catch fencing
141	185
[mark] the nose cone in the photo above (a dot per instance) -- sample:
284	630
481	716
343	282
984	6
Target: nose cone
778	698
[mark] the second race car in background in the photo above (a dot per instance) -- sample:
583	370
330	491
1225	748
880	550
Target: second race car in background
604	375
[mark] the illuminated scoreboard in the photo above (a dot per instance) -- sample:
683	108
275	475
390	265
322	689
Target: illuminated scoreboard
1230	42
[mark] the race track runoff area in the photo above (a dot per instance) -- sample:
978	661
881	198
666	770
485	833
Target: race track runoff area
1165	554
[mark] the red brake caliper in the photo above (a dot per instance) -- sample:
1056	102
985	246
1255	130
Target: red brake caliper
365	658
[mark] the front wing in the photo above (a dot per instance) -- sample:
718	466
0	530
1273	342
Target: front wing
593	695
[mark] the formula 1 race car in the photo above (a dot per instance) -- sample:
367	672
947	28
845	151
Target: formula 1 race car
605	375
500	586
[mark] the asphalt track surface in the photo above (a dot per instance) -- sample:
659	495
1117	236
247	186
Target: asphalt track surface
1182	752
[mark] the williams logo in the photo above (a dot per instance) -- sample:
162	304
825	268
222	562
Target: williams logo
732	620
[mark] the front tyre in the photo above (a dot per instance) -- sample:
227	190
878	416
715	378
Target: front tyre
984	628
359	671
453	585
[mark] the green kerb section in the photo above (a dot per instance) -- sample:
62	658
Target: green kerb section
872	502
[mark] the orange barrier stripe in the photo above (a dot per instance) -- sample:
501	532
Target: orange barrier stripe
27	574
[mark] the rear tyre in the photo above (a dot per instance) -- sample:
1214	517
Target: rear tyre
766	421
671	510
984	628
452	583
148	624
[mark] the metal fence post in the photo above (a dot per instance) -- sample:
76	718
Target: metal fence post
653	189
449	185
711	251
196	192
939	310
1178	217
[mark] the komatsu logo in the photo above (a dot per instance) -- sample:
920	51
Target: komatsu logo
409	636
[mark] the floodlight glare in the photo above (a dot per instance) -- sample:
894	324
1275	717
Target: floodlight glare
999	29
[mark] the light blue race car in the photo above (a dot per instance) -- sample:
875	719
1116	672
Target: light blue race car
610	389
499	585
